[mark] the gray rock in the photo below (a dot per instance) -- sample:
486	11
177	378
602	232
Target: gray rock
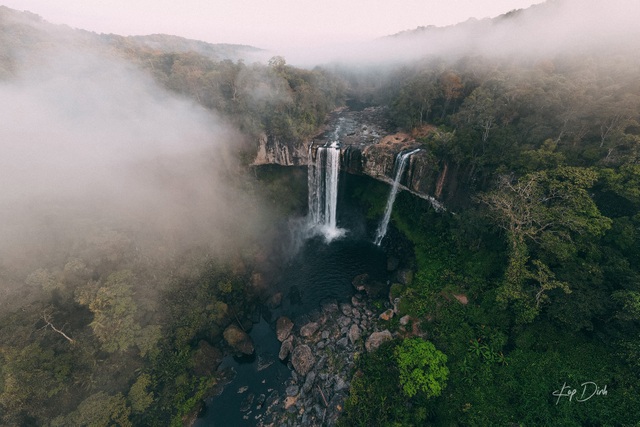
330	307
284	325
321	363
275	301
359	282
260	401
302	359
339	385
308	383
344	321
325	334
247	402
292	390
376	339
320	345
238	339
354	334
346	309
342	342
286	348
309	329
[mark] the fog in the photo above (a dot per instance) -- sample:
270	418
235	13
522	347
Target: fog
551	28
91	145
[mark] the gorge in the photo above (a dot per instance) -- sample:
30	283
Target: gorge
416	241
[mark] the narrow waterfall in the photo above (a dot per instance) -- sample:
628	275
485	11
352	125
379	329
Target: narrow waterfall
400	165
322	181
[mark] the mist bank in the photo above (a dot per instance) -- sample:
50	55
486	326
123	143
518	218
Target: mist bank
555	27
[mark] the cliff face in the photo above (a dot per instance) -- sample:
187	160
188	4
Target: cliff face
366	149
272	151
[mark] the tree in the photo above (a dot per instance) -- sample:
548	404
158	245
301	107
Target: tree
113	309
138	396
545	212
422	368
98	410
451	88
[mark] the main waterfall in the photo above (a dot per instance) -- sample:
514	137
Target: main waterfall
400	165
322	178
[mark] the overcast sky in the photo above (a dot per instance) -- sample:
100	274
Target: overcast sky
274	24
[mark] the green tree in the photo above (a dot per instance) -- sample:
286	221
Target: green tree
544	214
139	398
98	410
422	368
113	309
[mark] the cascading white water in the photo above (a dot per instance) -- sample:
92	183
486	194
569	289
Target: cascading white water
331	185
400	165
322	180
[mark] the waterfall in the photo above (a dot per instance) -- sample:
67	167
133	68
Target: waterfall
322	180
400	164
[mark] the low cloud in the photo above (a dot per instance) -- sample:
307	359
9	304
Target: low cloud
89	142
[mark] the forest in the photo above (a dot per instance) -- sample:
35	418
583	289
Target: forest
104	322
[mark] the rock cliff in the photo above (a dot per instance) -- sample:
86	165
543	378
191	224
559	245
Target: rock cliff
366	149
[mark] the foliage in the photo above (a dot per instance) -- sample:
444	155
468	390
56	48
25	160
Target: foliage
422	368
376	397
98	410
114	309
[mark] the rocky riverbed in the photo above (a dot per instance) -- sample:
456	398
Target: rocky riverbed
320	351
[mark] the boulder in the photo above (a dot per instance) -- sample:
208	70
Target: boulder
285	348
311	377
292	390
302	359
238	339
284	325
309	329
404	320
346	309
275	301
330	307
354	334
386	315
359	281
376	339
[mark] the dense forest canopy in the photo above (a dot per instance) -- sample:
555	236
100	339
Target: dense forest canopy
119	271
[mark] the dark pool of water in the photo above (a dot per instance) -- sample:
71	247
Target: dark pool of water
323	272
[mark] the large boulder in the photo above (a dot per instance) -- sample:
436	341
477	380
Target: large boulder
284	325
354	333
285	348
309	329
373	288
302	359
376	339
238	339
